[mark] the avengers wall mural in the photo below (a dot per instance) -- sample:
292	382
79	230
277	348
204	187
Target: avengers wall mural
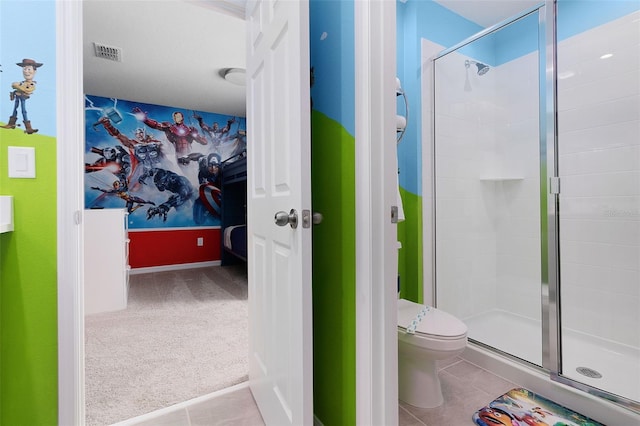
162	164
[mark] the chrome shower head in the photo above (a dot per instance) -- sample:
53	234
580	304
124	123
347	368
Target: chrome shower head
482	68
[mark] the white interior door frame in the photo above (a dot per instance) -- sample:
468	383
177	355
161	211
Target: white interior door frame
70	139
376	351
376	235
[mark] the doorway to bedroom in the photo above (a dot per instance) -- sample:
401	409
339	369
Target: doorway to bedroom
183	333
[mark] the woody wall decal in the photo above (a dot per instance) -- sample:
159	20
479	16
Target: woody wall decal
22	90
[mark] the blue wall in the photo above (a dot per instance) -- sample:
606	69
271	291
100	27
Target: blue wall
418	19
332	58
577	16
427	19
28	31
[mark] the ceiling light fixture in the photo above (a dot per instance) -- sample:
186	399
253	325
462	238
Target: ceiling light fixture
234	75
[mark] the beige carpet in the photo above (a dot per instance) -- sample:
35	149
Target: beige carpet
183	335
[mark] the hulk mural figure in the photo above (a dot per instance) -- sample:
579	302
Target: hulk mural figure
21	92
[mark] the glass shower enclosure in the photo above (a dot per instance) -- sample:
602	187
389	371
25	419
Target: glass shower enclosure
535	173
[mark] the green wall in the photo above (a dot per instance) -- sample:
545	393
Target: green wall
332	58
410	265
334	276
28	289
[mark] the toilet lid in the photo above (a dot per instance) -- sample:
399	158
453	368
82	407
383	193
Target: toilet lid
434	322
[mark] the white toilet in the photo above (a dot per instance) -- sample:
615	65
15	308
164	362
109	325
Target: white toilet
425	335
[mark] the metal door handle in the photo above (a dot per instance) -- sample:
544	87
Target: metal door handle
283	218
308	218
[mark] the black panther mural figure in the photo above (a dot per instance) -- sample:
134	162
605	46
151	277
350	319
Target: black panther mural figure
166	180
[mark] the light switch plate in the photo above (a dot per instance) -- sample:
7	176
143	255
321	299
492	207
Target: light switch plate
22	162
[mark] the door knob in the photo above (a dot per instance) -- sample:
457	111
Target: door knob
283	218
316	218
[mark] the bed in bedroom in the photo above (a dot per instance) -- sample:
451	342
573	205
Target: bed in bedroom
233	220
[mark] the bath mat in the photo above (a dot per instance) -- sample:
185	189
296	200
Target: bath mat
521	407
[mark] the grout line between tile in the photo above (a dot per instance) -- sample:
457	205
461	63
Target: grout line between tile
411	414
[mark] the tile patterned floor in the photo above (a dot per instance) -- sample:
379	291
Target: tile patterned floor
235	408
465	387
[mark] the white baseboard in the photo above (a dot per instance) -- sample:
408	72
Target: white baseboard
177	267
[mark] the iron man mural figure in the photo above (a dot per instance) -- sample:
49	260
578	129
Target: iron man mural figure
178	133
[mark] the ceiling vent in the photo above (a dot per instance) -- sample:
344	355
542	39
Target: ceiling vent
107	52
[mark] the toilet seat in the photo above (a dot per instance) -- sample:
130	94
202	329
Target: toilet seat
434	324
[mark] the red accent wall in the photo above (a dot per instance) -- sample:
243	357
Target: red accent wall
172	247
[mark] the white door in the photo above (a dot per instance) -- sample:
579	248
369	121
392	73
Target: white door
279	180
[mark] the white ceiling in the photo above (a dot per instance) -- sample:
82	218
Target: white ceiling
174	50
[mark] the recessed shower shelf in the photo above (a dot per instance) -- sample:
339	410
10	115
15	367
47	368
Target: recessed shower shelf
500	178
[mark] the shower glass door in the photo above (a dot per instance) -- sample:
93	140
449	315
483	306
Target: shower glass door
598	117
487	187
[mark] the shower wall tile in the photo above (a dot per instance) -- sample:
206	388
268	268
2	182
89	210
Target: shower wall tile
429	50
614	159
492	130
608	301
488	133
599	163
624	257
518	89
620	34
518	230
613	87
622	183
457	188
585	252
457	168
526	227
583	314
596	139
455	127
465	132
601	114
624	282
573	74
619	313
613	208
629	314
585	276
622	232
460	291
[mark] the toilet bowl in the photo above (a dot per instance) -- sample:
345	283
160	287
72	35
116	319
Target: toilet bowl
425	335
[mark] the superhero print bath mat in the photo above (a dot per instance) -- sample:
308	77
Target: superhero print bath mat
521	407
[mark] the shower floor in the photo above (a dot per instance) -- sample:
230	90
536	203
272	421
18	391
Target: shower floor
619	365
